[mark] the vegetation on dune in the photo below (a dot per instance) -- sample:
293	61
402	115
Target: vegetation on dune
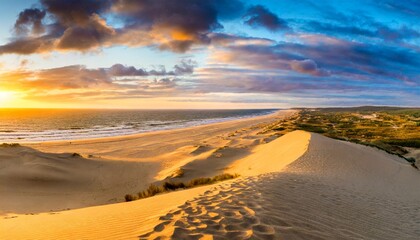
76	155
390	129
7	145
168	186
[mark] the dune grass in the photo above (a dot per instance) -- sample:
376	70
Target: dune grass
393	130
76	155
8	145
168	186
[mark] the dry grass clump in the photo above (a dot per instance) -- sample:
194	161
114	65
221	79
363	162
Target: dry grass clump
7	145
151	191
172	186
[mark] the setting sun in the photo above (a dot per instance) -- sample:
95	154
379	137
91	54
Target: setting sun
5	96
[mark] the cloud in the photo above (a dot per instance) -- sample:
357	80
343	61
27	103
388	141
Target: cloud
30	21
29	45
80	78
323	56
259	16
81	25
23	63
70	13
121	70
175	25
185	67
372	30
357	24
69	77
410	7
93	34
307	66
223	39
237	80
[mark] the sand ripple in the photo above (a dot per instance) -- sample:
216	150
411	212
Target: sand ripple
288	206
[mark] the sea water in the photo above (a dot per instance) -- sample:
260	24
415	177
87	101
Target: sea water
38	125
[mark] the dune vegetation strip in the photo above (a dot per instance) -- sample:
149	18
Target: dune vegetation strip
394	130
9	145
168	186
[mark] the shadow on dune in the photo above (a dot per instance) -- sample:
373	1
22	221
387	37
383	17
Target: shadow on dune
35	181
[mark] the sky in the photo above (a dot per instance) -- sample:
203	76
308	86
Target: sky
188	54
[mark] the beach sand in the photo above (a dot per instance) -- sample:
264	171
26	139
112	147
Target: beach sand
298	186
49	176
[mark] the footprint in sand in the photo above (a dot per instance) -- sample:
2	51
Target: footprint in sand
220	213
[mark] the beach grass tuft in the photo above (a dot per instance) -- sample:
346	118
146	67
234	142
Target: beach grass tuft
8	145
168	186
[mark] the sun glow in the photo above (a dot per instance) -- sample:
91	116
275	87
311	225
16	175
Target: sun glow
6	97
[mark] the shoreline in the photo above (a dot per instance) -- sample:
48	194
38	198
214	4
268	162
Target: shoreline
129	135
273	115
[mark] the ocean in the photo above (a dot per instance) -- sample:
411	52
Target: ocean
38	125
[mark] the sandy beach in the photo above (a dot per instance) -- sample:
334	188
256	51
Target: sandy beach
297	186
51	176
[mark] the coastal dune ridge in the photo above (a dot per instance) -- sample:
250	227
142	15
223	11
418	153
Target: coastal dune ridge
299	185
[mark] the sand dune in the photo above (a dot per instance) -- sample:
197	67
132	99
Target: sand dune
34	181
336	190
44	177
328	189
273	157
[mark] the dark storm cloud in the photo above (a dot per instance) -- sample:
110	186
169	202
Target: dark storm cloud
259	16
